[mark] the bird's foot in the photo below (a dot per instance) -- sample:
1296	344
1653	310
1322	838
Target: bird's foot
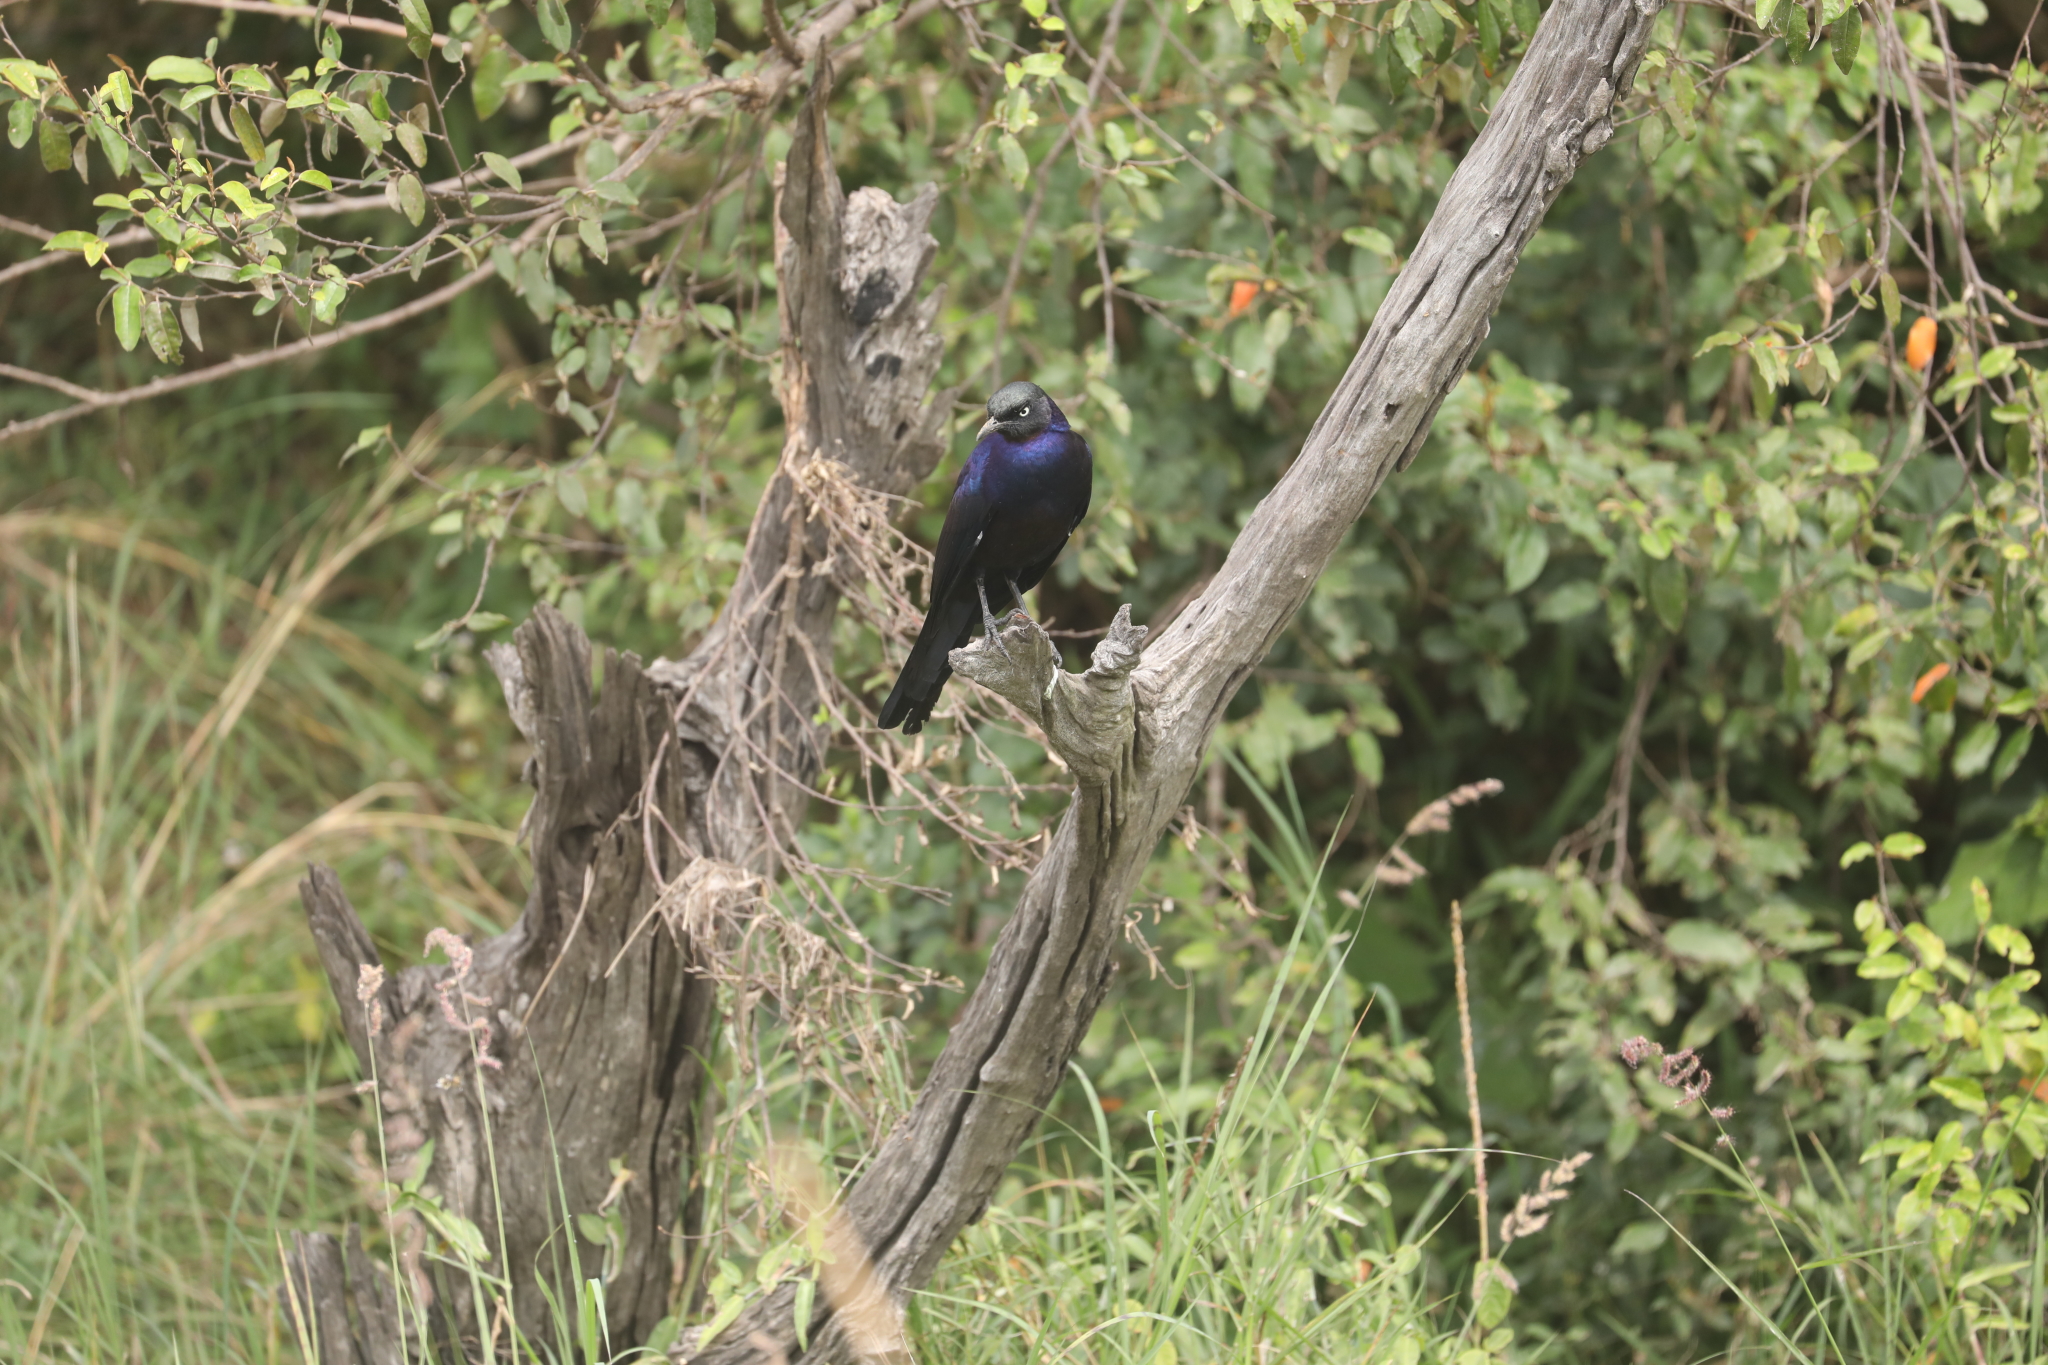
988	622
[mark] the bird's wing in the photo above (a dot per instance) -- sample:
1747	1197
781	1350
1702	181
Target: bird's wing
966	523
1029	578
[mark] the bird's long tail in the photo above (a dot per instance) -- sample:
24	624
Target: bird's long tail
946	628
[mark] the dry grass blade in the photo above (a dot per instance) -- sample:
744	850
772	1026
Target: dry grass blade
1471	1074
1532	1211
853	1288
1397	867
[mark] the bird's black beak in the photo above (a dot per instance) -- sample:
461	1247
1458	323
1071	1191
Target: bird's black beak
986	428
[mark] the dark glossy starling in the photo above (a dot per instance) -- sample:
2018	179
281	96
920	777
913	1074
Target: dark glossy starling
1024	490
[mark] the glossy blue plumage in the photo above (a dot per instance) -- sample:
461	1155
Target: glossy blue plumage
1019	497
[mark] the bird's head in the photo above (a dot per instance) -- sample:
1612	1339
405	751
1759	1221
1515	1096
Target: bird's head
1020	411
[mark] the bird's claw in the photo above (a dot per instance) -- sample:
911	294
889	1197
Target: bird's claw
988	623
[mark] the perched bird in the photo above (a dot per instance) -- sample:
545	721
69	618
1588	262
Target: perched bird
1024	490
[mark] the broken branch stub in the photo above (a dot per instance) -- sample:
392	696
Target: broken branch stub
1006	1056
1088	718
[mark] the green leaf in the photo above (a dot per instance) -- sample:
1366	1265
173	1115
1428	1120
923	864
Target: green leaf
1856	853
179	71
413	140
419	27
237	193
365	126
53	144
1766	251
592	233
702	21
250	80
1888	291
93	248
1670	592
491	60
806	1301
112	145
1569	602
117	89
1845	39
1495	1298
160	329
1528	550
1867	648
554	23
1016	165
128	316
1973	751
1718	340
412	198
2010	943
1527	14
2009	755
1798	35
569	491
1933	952
318	179
503	168
1904	846
1489	34
21	123
304	99
1702	940
1884	966
1371	239
1961	1091
246	132
25	76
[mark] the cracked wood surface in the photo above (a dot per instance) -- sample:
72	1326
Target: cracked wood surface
1134	729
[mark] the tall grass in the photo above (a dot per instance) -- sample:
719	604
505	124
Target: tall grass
181	728
179	733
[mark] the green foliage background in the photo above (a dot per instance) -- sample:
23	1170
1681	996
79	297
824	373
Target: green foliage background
1679	567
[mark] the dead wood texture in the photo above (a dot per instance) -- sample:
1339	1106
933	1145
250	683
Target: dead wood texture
1134	729
578	1040
688	780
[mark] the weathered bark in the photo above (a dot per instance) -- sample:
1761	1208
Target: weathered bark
1135	737
581	1036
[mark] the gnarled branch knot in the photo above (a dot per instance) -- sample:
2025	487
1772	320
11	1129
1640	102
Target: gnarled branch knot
1088	718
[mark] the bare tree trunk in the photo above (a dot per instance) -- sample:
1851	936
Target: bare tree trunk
561	1071
1134	730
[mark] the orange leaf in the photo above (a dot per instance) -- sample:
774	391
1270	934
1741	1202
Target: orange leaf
1920	343
1927	682
1111	1103
1242	294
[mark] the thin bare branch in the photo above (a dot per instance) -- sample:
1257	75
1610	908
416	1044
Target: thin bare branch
102	401
325	15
